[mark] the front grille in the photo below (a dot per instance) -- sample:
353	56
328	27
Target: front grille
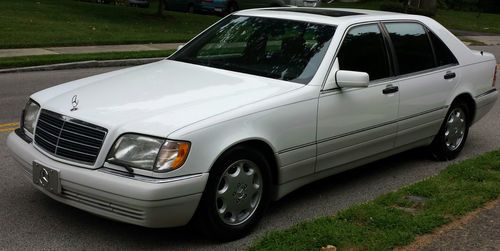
69	138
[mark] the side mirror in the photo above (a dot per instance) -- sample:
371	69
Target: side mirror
353	79
180	46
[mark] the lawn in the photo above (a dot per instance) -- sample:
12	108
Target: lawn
37	23
42	23
460	20
395	219
12	62
469	21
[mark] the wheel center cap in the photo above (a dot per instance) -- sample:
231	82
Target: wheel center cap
240	192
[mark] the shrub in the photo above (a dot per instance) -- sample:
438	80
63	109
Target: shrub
399	7
392	6
423	12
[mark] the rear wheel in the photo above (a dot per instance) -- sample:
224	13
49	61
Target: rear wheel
453	133
236	195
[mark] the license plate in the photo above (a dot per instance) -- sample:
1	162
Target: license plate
46	177
218	9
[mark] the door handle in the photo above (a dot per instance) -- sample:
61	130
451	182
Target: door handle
390	89
450	75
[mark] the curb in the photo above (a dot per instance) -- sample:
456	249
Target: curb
83	64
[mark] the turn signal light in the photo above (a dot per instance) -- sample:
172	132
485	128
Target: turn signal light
181	155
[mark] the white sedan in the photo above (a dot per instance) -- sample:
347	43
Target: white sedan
258	105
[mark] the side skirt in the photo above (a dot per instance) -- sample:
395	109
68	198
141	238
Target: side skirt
286	188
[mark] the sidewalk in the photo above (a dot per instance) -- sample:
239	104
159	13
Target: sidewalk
476	231
487	40
86	49
482	233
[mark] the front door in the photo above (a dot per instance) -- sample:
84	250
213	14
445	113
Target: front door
357	123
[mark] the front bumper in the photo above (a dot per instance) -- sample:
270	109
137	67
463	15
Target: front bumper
163	203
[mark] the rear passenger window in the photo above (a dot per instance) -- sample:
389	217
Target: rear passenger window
413	50
443	54
363	50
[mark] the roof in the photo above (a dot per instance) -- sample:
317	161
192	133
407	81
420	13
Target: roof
319	11
322	15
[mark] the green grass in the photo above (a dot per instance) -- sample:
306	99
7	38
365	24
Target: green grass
37	23
12	62
382	225
469	21
451	19
42	23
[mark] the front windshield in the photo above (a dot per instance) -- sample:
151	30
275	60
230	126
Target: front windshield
274	48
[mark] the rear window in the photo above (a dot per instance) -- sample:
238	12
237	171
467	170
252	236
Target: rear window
444	56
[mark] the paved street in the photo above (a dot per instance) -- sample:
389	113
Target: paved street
86	49
30	220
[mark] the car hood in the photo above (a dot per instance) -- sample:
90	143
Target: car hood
159	98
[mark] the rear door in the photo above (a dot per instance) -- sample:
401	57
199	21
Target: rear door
428	73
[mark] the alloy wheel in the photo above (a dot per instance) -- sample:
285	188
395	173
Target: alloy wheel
239	192
455	129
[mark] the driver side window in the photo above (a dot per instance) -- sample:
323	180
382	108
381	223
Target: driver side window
363	49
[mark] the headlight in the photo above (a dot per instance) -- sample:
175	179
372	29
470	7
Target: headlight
30	114
150	153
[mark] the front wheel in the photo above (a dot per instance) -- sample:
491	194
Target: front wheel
453	133
236	195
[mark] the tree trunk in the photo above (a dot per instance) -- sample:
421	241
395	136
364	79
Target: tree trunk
413	3
161	7
428	4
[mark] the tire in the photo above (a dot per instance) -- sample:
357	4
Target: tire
453	133
240	181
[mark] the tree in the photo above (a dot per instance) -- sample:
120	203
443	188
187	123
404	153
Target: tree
161	7
428	4
423	4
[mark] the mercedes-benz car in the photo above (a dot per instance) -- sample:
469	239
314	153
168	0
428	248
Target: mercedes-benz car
230	6
259	104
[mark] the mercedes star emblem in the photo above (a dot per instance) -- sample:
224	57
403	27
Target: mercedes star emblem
74	103
44	177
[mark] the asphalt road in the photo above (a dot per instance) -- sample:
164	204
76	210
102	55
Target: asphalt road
31	220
